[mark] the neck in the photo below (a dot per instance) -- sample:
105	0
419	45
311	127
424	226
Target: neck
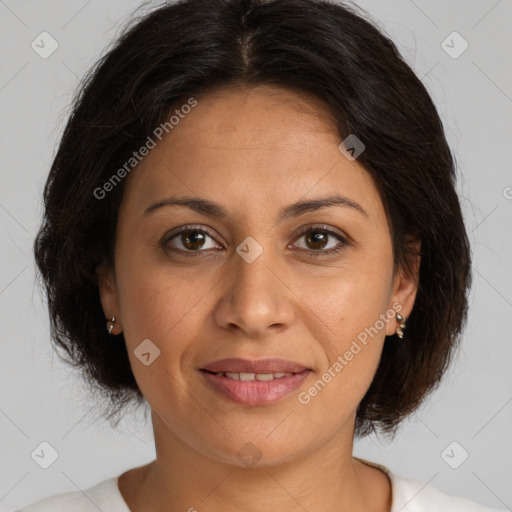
324	479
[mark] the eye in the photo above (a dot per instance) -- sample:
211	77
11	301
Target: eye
317	238
190	238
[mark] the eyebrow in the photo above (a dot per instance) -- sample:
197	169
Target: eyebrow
214	210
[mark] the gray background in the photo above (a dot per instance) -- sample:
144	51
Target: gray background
42	400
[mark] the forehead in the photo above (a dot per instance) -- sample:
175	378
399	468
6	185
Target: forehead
251	117
249	146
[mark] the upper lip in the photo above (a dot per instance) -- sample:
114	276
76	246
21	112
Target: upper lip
237	365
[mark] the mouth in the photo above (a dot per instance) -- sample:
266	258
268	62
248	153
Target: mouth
254	382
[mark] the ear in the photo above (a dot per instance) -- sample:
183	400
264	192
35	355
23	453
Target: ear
405	286
108	295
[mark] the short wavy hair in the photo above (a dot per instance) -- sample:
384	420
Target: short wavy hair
317	47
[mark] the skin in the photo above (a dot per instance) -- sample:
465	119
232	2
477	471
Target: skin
254	151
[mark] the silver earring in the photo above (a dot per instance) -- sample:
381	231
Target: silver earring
110	324
401	327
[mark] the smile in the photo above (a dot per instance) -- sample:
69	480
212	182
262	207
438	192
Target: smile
254	388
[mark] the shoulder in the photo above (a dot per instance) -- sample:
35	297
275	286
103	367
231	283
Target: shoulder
414	496
409	495
104	496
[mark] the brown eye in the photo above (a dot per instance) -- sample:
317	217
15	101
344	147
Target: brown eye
188	240
317	238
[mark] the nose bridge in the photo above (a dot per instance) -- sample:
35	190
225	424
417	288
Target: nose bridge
252	264
255	298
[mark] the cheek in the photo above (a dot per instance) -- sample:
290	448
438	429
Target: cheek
350	299
351	346
161	310
351	312
168	306
159	307
154	294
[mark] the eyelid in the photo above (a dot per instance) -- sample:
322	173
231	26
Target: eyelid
324	227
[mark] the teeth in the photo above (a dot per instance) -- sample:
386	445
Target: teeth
264	376
254	376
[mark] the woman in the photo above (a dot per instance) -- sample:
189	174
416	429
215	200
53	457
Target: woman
251	224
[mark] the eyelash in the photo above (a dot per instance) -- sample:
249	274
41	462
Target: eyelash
315	228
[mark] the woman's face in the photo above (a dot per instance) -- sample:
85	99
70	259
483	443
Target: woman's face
253	283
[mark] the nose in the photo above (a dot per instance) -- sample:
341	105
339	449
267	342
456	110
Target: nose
255	297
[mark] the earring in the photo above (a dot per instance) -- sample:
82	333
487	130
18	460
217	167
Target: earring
401	321
110	324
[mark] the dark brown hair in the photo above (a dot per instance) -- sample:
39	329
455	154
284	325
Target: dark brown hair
317	47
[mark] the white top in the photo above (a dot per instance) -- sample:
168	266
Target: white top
407	496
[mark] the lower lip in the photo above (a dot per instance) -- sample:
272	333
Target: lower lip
255	392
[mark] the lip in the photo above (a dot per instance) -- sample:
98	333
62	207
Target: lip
255	392
238	365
